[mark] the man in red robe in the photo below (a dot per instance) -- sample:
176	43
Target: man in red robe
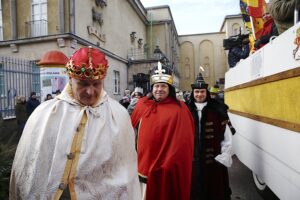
165	140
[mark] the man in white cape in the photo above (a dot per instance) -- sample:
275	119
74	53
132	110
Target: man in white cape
79	145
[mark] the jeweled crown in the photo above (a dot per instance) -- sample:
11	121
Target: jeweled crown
87	64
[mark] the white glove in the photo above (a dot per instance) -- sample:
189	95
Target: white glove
226	145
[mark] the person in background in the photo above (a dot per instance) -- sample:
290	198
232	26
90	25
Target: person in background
282	11
137	94
32	103
214	91
237	53
48	97
179	95
125	101
186	96
20	111
57	92
80	145
165	140
269	30
212	148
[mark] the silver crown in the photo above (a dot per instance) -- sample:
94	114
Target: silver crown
160	76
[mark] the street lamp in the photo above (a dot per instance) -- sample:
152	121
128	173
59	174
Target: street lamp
157	53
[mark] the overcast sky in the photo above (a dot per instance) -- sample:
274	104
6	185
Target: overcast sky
198	16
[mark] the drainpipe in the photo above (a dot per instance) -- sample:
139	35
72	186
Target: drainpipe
166	40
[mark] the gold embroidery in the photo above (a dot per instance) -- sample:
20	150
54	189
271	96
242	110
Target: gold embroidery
209	130
72	162
209	136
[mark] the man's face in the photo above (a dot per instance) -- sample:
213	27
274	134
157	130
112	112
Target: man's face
87	92
200	95
160	91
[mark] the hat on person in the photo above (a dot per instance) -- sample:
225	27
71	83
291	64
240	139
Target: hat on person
214	89
138	89
87	63
32	93
161	74
199	83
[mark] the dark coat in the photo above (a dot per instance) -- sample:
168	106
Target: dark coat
235	54
20	111
31	105
209	178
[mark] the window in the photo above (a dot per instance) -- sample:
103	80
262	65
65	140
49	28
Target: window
1	24
36	85
116	84
39	25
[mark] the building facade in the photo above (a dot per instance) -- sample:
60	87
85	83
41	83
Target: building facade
162	44
206	50
30	28
134	38
202	50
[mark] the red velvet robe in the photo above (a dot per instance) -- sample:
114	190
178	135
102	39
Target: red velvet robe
165	148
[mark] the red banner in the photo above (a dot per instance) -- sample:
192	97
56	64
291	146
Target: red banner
256	8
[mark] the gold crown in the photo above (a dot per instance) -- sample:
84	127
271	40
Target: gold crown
86	73
160	76
87	64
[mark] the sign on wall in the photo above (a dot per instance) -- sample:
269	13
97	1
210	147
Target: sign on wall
52	80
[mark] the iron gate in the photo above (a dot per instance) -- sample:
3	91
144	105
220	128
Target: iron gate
18	77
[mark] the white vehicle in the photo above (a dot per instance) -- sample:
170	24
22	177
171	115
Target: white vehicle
263	94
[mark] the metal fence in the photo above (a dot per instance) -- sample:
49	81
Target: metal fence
18	77
138	54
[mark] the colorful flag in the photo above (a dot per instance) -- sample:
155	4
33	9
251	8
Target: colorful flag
252	11
247	22
255	8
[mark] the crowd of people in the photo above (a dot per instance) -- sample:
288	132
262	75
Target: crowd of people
23	108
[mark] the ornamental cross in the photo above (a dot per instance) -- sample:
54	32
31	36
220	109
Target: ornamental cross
159	70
